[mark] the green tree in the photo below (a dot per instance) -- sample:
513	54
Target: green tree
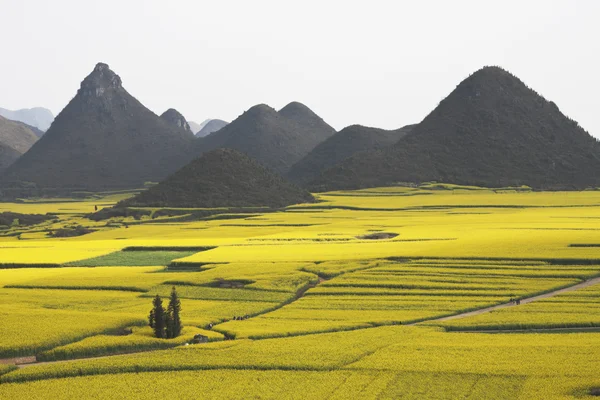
151	318
159	318
173	320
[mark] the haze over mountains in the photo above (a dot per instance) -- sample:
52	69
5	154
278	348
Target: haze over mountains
106	139
38	117
216	124
222	178
277	139
103	139
211	126
15	139
196	127
492	131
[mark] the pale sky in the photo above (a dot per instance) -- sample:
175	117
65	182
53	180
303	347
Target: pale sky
376	63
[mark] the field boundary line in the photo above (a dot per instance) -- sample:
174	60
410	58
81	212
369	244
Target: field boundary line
301	292
533	330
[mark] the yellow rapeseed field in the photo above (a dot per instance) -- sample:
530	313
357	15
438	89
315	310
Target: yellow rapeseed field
312	301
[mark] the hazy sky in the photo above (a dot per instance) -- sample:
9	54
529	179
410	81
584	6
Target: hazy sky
377	63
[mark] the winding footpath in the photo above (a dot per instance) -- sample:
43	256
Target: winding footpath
527	300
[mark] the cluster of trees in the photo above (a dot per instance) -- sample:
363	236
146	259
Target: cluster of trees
166	323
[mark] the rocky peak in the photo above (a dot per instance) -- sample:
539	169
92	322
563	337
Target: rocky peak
174	117
100	80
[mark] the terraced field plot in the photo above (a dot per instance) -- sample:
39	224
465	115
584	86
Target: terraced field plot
577	309
382	362
389	293
327	307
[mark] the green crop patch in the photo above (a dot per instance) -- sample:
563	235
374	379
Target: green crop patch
130	258
193	249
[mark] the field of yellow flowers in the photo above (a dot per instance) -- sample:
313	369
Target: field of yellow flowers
343	297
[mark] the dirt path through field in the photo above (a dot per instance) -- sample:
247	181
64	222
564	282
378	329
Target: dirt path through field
534	330
79	359
17	360
578	286
24	362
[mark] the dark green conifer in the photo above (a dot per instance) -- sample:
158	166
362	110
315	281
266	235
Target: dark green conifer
151	318
173	319
159	318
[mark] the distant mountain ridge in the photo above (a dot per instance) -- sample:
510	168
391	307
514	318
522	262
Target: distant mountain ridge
38	117
211	126
276	139
16	135
103	139
492	131
196	127
15	138
221	178
342	145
